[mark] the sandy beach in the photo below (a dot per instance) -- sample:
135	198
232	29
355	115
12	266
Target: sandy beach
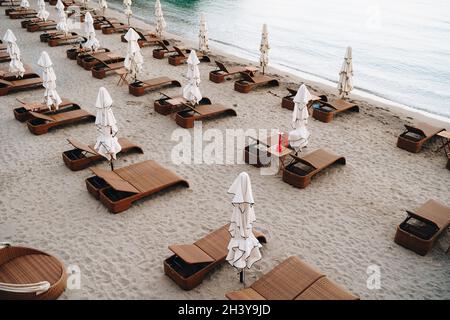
342	223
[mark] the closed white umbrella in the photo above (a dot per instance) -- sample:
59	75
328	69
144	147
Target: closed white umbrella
264	49
345	84
133	60
107	143
160	22
191	91
62	21
243	248
103	5
42	13
203	36
127	10
51	97
24	4
299	137
92	43
16	65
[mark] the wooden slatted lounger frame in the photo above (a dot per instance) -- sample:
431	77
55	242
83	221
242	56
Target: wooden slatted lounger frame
293	279
21	14
88	61
120	188
115	27
20	265
25	23
146	39
182	56
32	82
4	56
83	155
168	105
424	130
249	82
101	21
218	76
139	88
41	26
41	123
100	70
22	113
317	161
73	53
187	117
336	106
73	38
190	264
160	53
434	214
288	101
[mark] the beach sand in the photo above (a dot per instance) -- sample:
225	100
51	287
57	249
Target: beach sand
342	223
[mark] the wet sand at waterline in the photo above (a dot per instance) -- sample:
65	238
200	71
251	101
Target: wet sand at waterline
342	223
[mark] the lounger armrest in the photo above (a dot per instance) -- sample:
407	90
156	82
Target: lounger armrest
38	288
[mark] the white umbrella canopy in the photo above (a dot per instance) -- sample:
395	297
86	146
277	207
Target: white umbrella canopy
127	11
191	91
299	137
51	96
24	4
134	61
160	22
203	35
62	21
264	49
92	43
15	66
345	84
42	13
103	5
243	248
107	143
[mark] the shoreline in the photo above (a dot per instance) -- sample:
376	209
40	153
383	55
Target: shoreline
326	86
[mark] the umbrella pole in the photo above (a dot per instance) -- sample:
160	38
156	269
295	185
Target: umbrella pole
242	277
112	165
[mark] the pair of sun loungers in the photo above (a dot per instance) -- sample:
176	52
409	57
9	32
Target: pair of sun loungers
90	60
181	56
163	51
58	38
30	274
74	52
20	13
186	114
252	80
420	230
288	101
38	25
146	38
139	88
223	72
110	26
293	279
118	189
190	264
28	82
415	136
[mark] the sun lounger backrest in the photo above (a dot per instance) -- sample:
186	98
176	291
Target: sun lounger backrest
319	159
114	180
292	92
215	244
434	212
221	66
287	280
424	129
8	83
163	45
42	116
342	105
247	77
84	147
179	51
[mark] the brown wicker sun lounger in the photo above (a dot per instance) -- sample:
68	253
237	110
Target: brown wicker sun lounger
89	60
182	55
161	53
60	39
168	105
10	3
118	189
32	81
146	39
300	171
4	56
83	155
101	21
325	111
187	117
416	135
40	123
21	266
21	13
74	52
139	88
257	152
252	80
293	279
288	101
102	69
41	26
218	76
190	264
110	27
22	113
423	226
